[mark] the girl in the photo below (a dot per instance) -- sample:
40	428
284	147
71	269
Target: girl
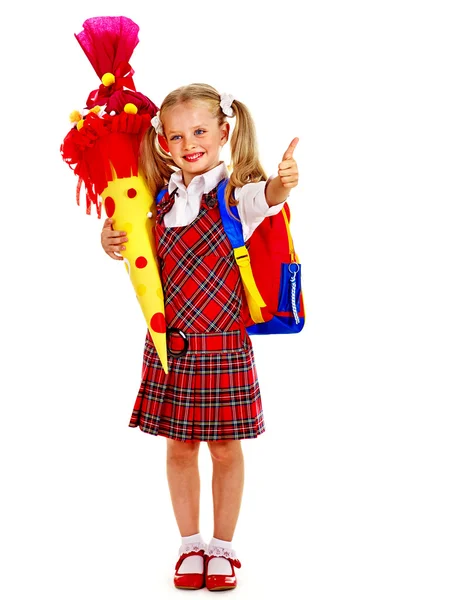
211	391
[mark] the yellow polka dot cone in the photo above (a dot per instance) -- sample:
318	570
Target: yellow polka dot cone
128	202
102	148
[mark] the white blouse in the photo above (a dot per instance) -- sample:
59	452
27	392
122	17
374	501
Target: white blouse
252	205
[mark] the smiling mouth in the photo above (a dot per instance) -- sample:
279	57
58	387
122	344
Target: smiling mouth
193	157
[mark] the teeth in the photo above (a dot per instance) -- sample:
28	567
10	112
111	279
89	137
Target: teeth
193	156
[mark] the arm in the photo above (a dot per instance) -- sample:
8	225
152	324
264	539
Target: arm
277	189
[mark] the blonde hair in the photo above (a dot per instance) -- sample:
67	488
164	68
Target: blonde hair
158	166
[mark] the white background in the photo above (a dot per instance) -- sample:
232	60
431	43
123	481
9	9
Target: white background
355	489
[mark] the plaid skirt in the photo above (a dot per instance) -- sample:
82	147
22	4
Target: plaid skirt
211	393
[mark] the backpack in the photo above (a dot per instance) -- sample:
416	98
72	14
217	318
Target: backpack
269	268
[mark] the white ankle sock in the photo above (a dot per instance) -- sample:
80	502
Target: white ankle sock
218	565
192	564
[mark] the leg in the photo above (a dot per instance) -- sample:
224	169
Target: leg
227	486
184	484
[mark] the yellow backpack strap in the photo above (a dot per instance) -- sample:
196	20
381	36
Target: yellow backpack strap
254	299
233	229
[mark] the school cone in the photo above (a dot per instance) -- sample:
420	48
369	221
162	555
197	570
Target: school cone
128	202
102	148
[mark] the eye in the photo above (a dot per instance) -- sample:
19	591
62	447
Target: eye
199	131
175	137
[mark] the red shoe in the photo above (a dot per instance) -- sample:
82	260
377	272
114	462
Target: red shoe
188	581
217	583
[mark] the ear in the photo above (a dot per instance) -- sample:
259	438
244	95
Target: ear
224	133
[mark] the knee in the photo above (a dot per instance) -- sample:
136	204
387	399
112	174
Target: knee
182	452
225	452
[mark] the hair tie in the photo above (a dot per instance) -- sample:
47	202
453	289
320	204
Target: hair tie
226	101
157	124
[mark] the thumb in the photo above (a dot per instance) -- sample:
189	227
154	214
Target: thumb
290	150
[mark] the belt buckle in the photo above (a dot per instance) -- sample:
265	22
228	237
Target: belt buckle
182	351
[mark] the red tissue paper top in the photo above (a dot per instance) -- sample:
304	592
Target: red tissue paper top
108	42
104	140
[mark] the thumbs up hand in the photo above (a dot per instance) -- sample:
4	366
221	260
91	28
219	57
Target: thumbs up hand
278	188
287	168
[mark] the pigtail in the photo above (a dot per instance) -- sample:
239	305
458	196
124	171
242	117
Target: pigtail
246	166
155	164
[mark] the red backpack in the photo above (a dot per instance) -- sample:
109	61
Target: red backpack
270	270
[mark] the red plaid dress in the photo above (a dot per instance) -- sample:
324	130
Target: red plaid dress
212	392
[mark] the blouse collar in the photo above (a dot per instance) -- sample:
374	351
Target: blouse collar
201	184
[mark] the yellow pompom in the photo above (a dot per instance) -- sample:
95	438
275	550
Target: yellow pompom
108	79
130	109
95	109
75	116
80	124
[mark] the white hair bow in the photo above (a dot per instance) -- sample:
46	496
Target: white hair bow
157	124
225	102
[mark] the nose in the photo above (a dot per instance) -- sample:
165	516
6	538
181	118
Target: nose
189	142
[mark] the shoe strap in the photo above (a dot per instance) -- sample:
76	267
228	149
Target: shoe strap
186	554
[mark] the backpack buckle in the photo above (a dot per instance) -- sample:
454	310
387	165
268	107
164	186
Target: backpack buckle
242	257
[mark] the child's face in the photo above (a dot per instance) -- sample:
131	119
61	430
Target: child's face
194	138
